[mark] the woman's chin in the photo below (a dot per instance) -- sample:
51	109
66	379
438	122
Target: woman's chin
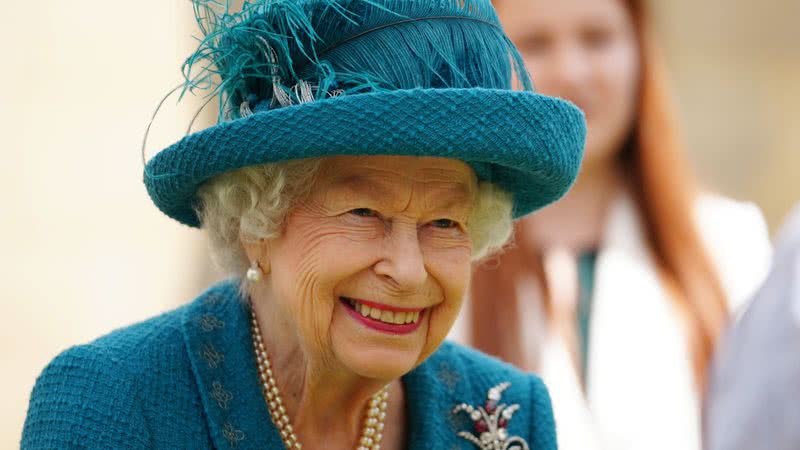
379	367
375	353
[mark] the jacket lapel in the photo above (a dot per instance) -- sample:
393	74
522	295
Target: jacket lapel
217	337
430	397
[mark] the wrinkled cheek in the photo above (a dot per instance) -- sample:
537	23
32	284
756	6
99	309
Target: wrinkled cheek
455	282
314	310
315	319
440	322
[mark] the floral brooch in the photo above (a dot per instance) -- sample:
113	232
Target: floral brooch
490	422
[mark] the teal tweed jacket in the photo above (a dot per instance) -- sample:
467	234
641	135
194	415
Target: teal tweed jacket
187	380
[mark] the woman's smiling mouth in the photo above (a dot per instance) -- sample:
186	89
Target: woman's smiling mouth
385	318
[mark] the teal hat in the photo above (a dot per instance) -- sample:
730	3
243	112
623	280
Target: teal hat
314	78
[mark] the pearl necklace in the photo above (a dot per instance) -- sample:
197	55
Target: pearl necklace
371	433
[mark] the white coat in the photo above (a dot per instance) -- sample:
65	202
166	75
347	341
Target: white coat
640	388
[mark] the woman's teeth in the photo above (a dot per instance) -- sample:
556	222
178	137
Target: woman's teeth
391	317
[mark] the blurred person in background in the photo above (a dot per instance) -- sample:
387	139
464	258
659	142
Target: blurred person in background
754	384
618	294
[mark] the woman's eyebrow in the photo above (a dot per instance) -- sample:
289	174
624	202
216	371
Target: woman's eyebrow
437	195
448	195
362	183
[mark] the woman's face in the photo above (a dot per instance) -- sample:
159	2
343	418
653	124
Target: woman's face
372	267
585	51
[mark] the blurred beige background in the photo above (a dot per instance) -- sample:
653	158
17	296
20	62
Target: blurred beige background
84	251
735	66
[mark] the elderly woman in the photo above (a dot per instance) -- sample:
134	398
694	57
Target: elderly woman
369	152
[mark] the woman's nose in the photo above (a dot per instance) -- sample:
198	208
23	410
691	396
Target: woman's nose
403	262
570	69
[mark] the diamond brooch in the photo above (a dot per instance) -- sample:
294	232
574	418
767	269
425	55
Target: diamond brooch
490	422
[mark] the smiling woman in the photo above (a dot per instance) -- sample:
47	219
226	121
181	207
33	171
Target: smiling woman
385	246
358	170
382	244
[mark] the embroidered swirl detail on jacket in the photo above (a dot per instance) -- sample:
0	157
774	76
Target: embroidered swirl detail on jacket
232	435
212	356
221	395
210	322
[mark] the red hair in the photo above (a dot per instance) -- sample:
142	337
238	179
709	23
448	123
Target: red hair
664	191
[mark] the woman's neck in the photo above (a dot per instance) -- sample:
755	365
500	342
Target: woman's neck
577	221
325	404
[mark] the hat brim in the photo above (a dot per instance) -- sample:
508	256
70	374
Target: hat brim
528	144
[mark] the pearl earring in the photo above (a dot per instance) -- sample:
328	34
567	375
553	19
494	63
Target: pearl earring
254	273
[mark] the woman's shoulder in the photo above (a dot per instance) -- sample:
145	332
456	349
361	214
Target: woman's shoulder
476	363
101	393
714	210
455	375
83	397
737	240
483	370
136	349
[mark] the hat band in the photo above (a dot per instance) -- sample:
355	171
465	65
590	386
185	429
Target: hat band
402	22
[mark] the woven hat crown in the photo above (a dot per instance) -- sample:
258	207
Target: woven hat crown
276	53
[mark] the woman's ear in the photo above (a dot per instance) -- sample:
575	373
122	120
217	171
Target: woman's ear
257	252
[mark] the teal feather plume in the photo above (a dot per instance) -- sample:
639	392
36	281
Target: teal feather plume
274	53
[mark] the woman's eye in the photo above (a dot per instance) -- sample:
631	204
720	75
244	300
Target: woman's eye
536	43
364	212
597	38
444	223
